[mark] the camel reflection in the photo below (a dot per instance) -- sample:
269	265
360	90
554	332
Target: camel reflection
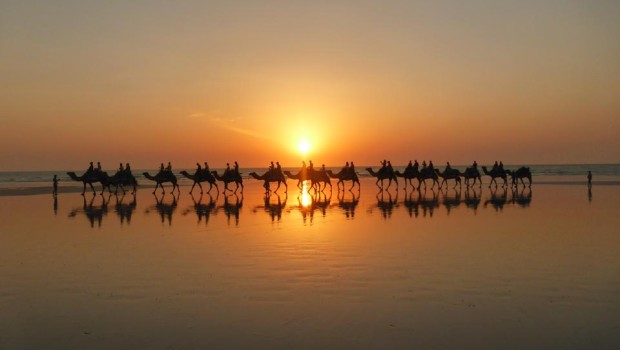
428	203
125	210
497	200
522	198
203	210
472	199
274	209
385	205
232	209
451	201
164	209
348	205
94	213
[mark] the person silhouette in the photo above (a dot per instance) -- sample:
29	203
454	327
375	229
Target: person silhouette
384	164
55	185
323	168
423	164
389	166
448	167
120	168
227	169
279	167
430	165
236	167
494	166
311	165
589	178
127	169
91	168
271	166
98	169
500	166
198	169
169	167
352	168
416	165
206	168
475	165
161	167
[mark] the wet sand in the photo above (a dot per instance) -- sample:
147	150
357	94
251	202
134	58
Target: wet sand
479	270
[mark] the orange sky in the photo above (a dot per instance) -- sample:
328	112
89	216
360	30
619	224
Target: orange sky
148	82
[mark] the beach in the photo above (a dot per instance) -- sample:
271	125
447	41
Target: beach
479	269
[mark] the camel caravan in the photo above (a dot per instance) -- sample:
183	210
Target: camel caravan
317	179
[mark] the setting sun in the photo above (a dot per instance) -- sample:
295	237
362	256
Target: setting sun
304	147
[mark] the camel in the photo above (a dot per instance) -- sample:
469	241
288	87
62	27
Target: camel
201	176
449	174
408	174
316	177
495	173
162	177
382	174
426	174
471	173
271	176
228	177
90	178
122	179
345	175
519	174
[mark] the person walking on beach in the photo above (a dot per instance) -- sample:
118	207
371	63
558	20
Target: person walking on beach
55	184
589	178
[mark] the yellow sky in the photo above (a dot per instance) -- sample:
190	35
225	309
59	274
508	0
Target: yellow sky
148	82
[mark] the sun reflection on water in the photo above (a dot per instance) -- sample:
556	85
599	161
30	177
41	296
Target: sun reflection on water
306	200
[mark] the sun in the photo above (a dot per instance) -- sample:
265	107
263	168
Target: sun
304	147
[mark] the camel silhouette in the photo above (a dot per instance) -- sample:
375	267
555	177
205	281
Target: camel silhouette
89	178
471	173
121	179
520	174
345	175
316	177
271	176
163	177
420	175
201	176
494	174
449	174
383	174
228	177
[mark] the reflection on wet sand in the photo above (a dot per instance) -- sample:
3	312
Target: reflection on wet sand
125	210
308	203
93	212
416	202
203	210
233	208
164	209
273	208
385	203
346	203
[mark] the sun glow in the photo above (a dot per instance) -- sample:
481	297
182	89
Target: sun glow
304	147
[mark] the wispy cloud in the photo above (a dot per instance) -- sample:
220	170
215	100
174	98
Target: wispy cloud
228	123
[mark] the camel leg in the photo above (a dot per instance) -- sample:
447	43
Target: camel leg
278	187
84	190
192	189
92	188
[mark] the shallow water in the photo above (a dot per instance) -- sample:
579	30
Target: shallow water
480	269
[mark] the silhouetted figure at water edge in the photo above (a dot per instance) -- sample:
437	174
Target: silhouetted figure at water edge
55	185
589	178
